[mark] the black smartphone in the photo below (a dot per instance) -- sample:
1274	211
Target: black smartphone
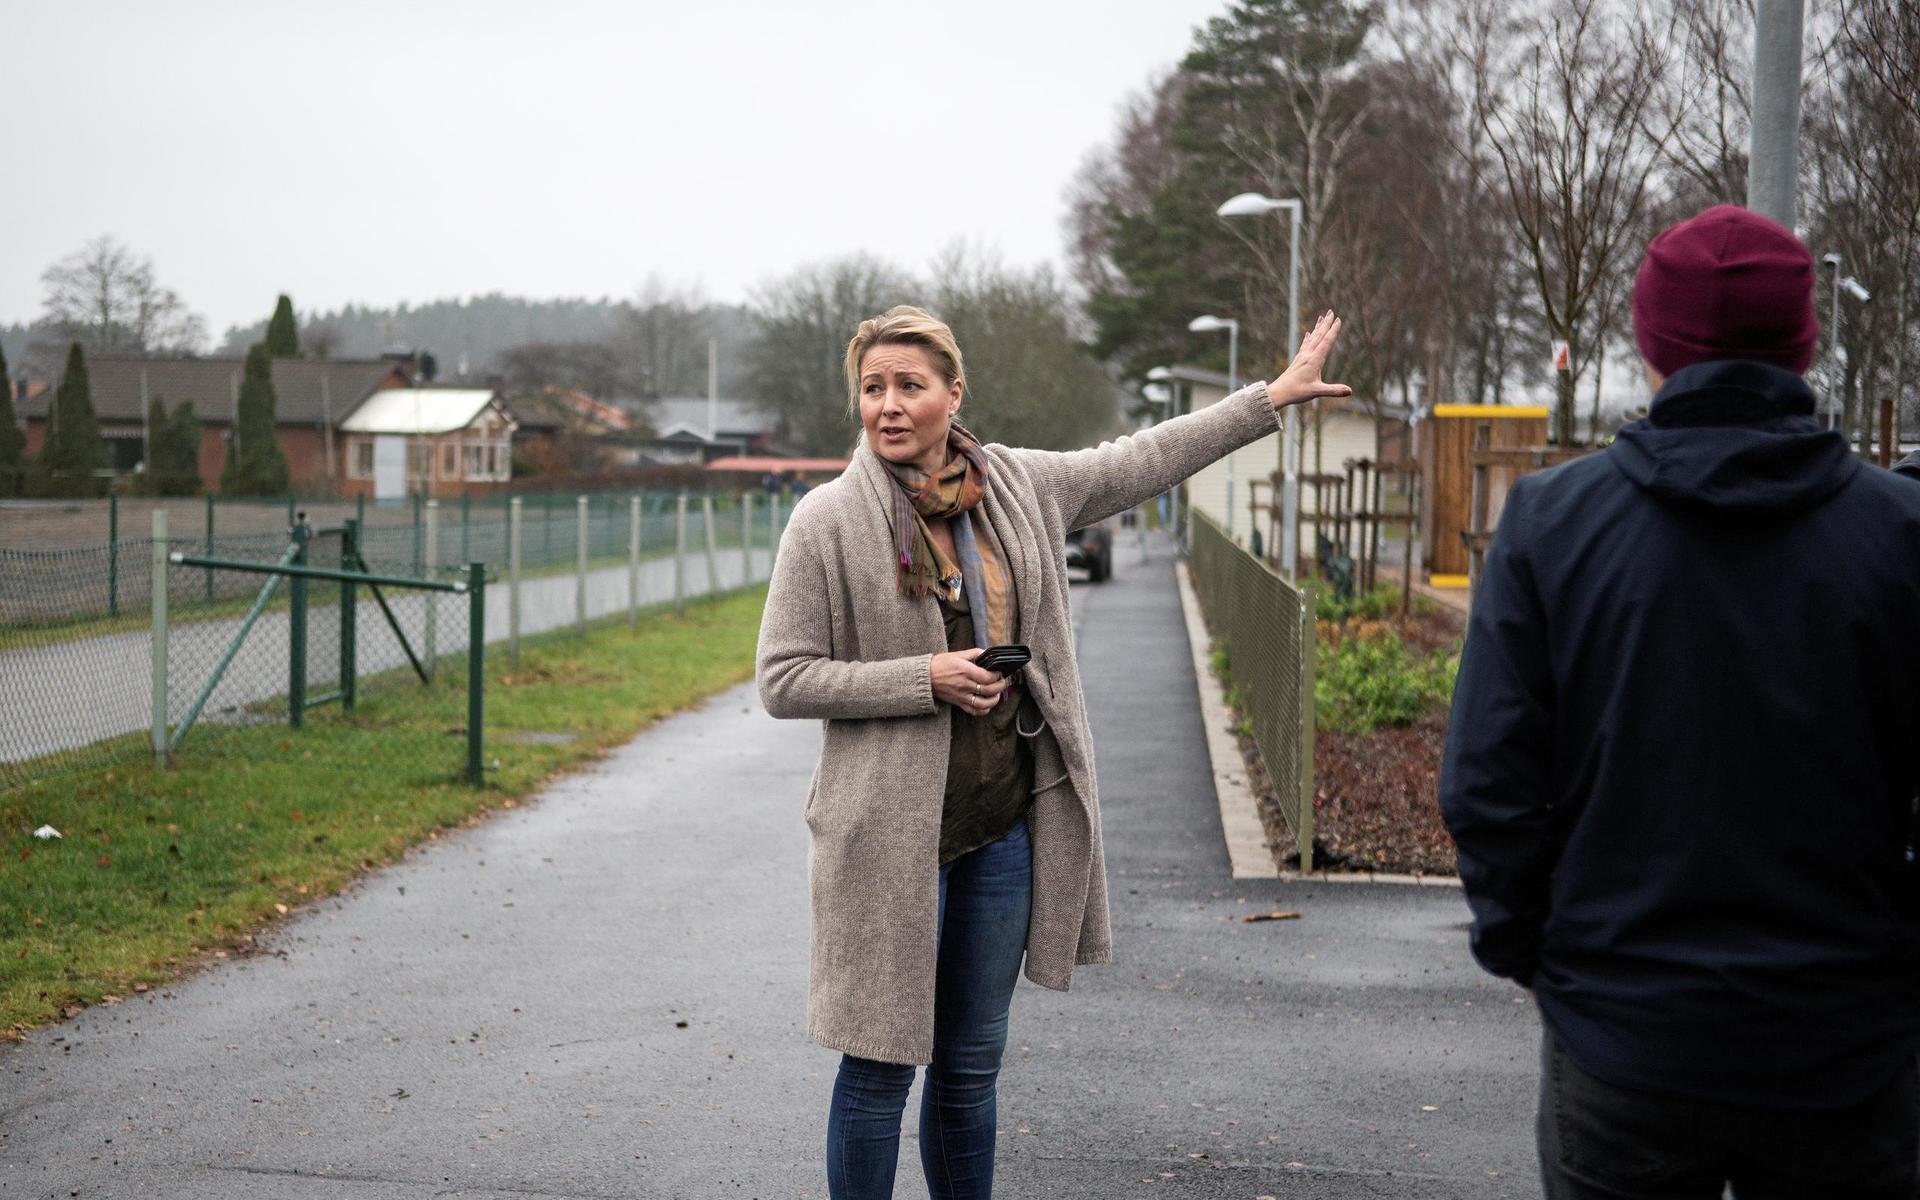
1004	659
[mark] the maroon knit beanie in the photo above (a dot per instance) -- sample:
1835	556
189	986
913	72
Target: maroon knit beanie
1728	283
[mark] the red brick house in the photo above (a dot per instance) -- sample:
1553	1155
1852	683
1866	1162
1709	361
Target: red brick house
311	399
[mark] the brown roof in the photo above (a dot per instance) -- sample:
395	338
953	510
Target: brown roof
212	383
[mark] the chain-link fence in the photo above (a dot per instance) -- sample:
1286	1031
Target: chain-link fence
77	693
409	536
1264	627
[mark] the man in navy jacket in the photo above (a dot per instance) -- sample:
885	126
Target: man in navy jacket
1683	760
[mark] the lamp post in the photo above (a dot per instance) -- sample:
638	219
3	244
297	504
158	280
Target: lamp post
1170	510
1209	324
1253	204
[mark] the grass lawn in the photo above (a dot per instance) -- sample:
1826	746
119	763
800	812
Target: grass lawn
159	869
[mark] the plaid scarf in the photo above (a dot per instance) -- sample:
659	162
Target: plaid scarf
924	569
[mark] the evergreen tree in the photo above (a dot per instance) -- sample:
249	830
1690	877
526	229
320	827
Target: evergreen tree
176	451
73	450
255	466
154	484
283	335
13	441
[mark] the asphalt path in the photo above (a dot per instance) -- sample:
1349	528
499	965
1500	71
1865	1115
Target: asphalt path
601	994
66	695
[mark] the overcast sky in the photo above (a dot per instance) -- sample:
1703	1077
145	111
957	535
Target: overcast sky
378	152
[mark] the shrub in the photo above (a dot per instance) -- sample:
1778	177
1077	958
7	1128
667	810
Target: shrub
1378	604
1361	683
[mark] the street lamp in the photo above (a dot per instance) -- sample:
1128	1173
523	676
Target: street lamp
1211	324
1169	517
1253	204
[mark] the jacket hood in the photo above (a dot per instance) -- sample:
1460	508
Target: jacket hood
1735	436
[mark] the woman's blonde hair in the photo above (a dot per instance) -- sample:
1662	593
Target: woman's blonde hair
903	325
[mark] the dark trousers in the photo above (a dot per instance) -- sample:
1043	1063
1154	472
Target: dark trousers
1600	1141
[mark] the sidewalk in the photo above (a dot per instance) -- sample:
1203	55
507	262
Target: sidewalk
601	994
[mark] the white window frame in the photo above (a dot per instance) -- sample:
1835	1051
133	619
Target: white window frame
355	448
450	458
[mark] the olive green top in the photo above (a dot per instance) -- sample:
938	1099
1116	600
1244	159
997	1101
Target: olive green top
990	768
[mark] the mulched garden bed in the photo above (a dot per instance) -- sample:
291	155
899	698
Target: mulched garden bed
1376	805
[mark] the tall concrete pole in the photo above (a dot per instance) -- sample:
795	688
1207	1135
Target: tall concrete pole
1774	153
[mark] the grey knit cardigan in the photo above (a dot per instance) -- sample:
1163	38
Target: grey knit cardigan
839	644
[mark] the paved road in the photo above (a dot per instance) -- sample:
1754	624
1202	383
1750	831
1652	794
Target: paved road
601	995
72	694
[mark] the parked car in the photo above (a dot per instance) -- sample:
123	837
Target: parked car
1091	549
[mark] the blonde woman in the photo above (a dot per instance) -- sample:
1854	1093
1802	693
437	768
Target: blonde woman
954	818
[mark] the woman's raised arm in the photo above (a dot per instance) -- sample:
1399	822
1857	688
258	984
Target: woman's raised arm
1093	484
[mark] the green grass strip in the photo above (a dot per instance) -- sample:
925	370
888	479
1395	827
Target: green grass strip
160	868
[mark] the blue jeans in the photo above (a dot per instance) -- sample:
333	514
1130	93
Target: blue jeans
985	898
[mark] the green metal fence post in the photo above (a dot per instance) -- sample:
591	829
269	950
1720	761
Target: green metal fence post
680	554
209	572
349	614
430	655
580	517
633	561
292	517
113	555
466	525
546	531
476	668
418	533
1308	636
513	583
297	628
360	509
160	637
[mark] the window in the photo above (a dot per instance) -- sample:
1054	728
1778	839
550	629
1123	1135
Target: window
360	459
450	459
419	459
477	467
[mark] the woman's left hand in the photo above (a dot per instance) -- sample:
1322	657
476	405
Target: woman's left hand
1301	381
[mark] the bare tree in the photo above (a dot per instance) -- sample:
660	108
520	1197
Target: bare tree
795	364
105	297
1865	165
1030	382
1567	113
1706	99
662	341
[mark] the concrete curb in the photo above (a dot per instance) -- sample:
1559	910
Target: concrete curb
1247	847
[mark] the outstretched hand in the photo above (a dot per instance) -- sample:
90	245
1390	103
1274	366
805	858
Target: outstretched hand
1301	381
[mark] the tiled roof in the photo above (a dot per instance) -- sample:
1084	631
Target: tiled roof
306	391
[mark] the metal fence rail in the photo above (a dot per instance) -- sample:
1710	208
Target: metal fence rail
1265	629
